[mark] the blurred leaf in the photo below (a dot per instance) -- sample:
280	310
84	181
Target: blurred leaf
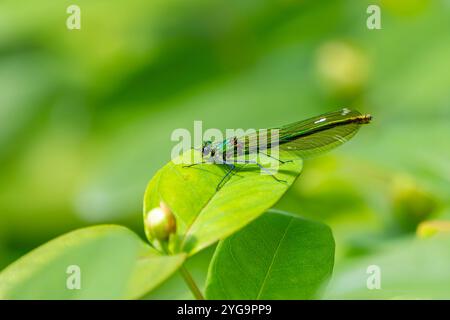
278	256
114	263
409	269
175	288
205	215
405	7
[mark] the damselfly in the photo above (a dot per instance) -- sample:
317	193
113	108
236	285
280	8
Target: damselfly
302	139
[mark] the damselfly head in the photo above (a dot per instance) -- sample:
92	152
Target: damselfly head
206	148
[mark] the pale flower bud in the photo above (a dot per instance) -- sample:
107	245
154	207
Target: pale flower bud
160	222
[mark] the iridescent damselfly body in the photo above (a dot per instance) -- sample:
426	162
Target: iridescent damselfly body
302	139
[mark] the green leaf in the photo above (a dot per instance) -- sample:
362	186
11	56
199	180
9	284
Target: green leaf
150	270
278	256
175	288
114	263
205	215
410	268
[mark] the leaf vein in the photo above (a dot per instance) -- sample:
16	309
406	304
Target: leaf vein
274	258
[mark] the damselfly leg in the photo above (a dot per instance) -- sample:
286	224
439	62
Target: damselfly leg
261	167
193	164
279	160
231	168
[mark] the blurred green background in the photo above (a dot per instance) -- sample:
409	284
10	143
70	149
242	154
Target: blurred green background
86	115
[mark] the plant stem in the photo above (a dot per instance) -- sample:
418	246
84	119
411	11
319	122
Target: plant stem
191	283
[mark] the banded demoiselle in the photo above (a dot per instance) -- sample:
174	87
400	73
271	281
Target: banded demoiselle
302	138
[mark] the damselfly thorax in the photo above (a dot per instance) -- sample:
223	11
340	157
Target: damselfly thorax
230	149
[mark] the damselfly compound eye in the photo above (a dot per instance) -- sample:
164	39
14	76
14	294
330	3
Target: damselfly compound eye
206	149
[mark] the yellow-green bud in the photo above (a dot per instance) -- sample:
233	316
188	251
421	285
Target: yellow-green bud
342	67
429	228
160	222
411	204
